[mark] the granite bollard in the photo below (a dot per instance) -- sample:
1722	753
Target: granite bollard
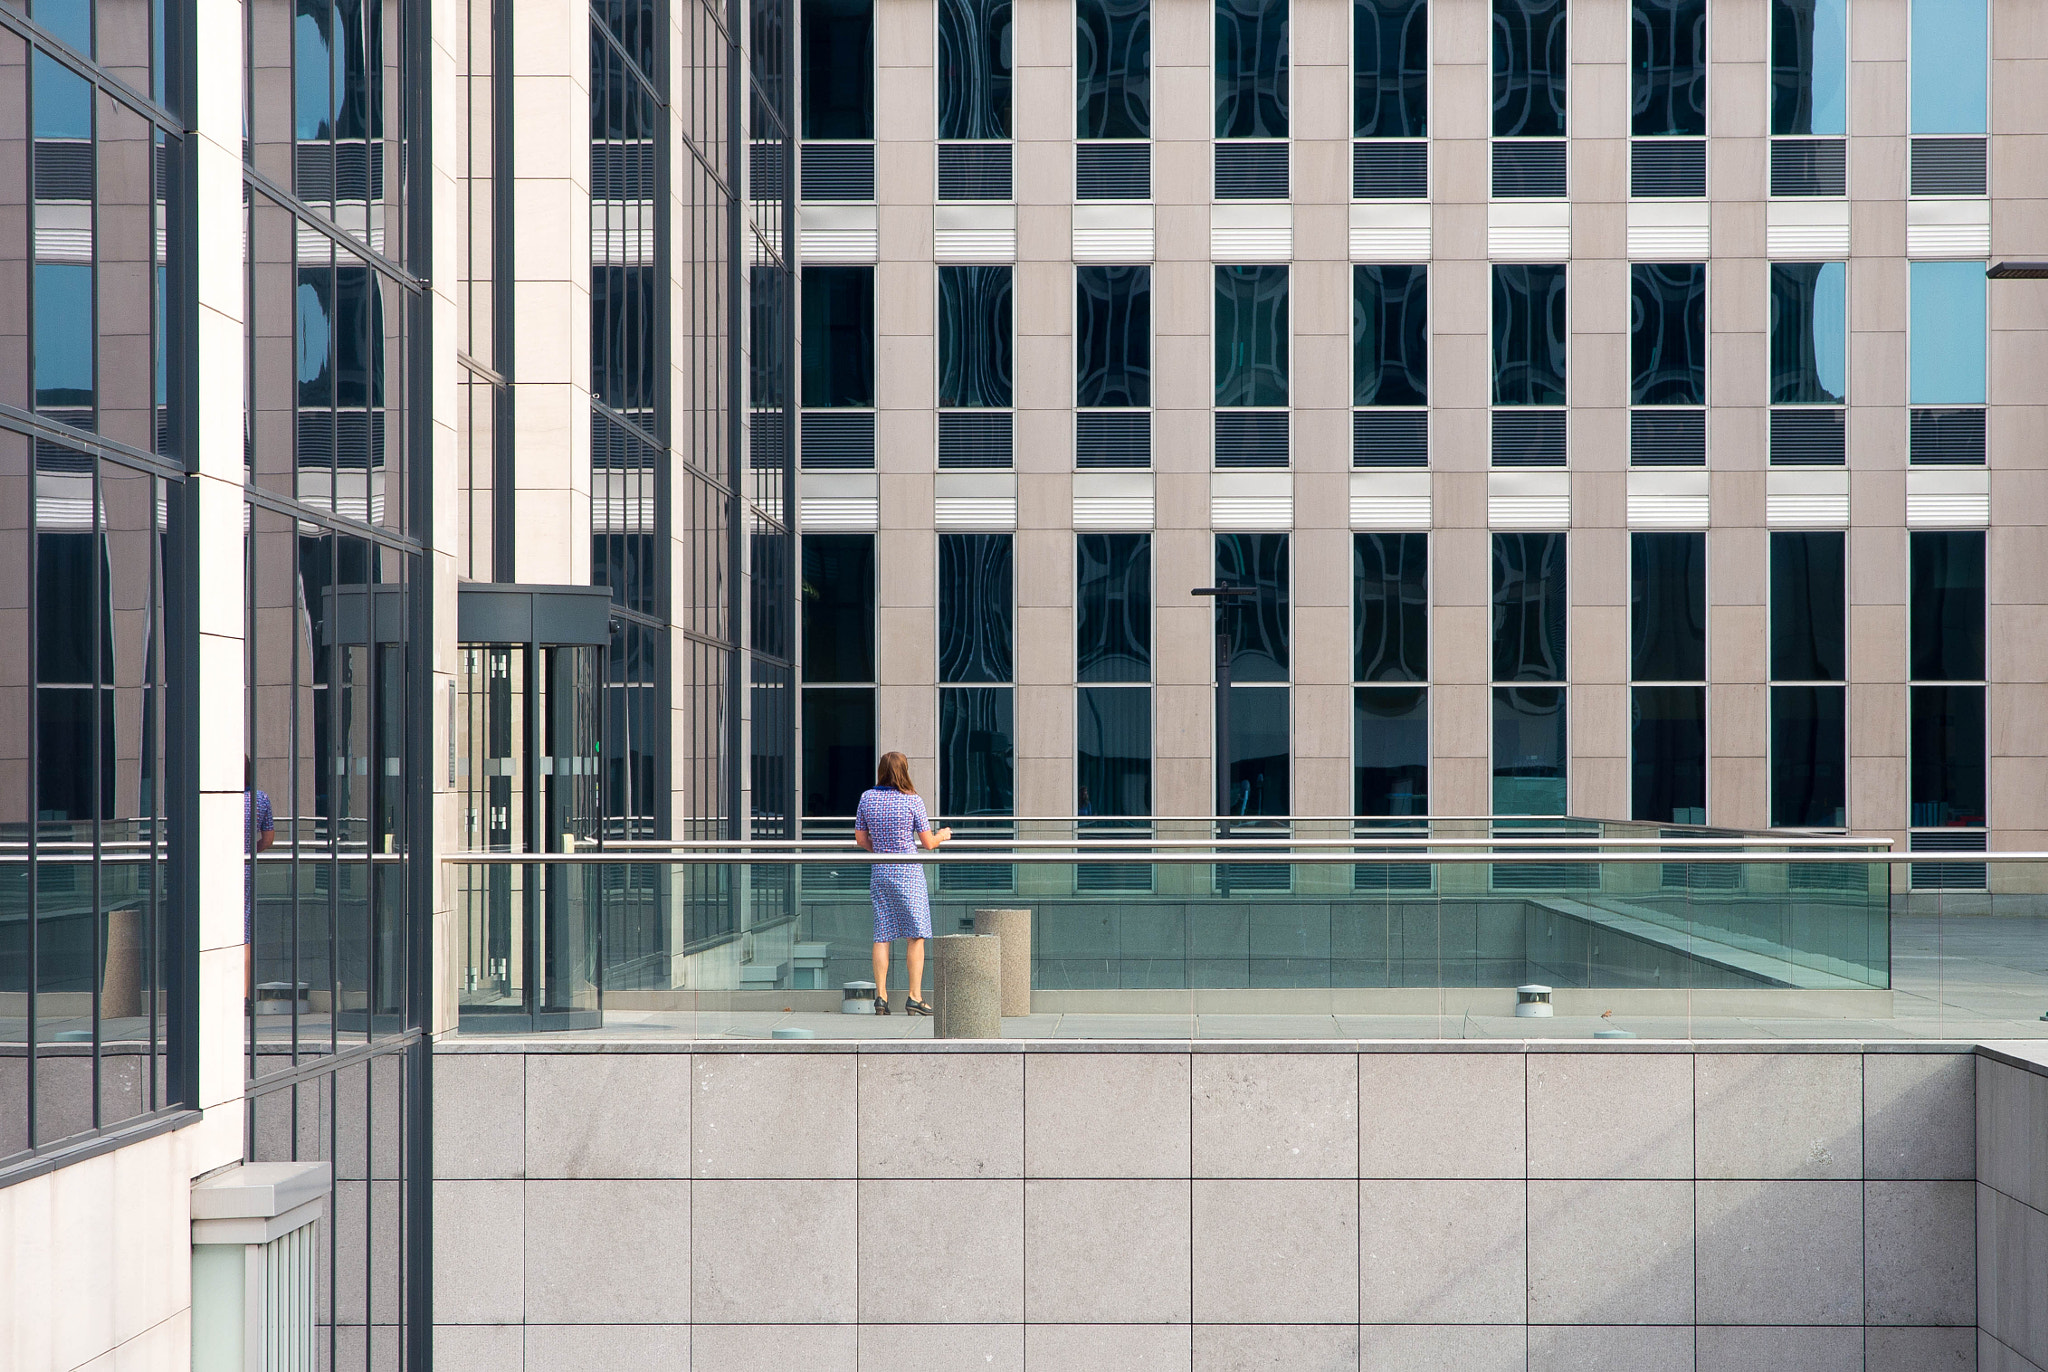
967	986
1013	928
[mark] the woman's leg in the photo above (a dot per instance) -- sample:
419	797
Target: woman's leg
915	956
881	971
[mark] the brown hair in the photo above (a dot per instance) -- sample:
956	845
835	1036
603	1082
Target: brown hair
893	772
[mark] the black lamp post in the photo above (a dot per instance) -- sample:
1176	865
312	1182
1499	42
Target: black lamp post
1226	595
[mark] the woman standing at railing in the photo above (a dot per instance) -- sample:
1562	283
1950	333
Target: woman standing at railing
891	819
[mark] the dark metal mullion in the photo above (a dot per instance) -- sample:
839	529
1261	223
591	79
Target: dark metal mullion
504	338
738	84
154	659
294	731
101	699
327	520
661	810
18	420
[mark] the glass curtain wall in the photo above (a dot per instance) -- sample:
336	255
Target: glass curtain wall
1530	759
1668	351
1390	365
1809	97
1259	630
1390	666
977	704
1113	664
1531	340
1809	694
1668	669
1948	724
838	611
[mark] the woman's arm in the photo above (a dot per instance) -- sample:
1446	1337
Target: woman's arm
932	839
867	844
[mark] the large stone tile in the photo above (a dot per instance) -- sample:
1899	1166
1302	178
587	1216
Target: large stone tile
774	1252
1779	1115
613	1347
774	1348
1610	1115
477	1347
1919	1116
983	1347
1780	1252
942	1115
1610	1348
1442	1252
1434	1347
1920	1252
1920	1350
1993	1356
479	1259
1276	1348
942	1252
1779	1349
2012	1131
1610	1252
775	1115
1276	1115
2012	1272
479	1115
597	1115
608	1252
1280	1252
1113	1252
1442	1115
1106	1114
1107	1348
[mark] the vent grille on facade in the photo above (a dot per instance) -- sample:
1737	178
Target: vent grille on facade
1660	437
1949	876
767	439
1954	437
1113	876
1668	168
1112	438
621	171
1248	170
64	169
1948	166
839	438
988	877
352	440
1526	168
1388	169
974	171
974	438
1251	438
1528	438
1390	876
839	171
1253	876
767	171
1809	166
325	172
1545	876
1390	438
1805	437
1112	171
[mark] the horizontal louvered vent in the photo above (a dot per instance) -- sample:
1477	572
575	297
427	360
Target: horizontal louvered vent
839	438
325	172
974	171
1390	438
1113	876
839	171
1955	437
1949	876
1528	438
974	438
767	171
352	440
1112	171
1808	437
767	440
64	169
1528	168
1667	438
1948	166
1809	166
1388	169
1251	170
1668	168
1251	438
1390	876
1253	876
1113	438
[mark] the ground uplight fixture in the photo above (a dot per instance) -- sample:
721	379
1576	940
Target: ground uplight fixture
2017	271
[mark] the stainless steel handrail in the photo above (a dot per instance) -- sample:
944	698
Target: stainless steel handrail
1376	855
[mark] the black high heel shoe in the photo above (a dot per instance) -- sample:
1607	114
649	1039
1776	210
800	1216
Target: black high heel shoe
882	1006
916	1006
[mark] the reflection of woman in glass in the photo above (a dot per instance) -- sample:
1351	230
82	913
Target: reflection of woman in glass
891	819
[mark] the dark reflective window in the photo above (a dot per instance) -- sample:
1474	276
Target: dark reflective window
1390	68
1113	336
1113	607
1809	763
1669	52
1807	600
1530	59
975	61
1113	749
839	337
767	337
1251	68
1668	751
976	599
1390	757
1530	335
1390	335
974	337
1251	336
1810	66
839	607
1947	591
1668	606
1259	751
1390	592
624	352
1256	625
1113	68
1529	607
839	69
839	749
1668	333
977	747
1529	755
1947	763
1809	333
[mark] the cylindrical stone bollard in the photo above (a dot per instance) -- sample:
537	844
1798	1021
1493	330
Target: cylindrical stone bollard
121	992
967	986
1013	927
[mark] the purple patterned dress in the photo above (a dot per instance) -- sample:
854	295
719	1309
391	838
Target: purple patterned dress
892	821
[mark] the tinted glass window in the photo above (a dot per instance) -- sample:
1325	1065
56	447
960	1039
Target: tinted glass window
1809	333
767	328
1947	339
1528	607
1809	774
839	69
1113	751
1259	755
1807	599
1668	754
1390	68
974	337
1810	66
977	751
1668	607
1113	68
1529	335
1530	58
1947	765
975	61
1390	335
1251	68
1390	759
1947	573
839	607
1251	336
1668	334
1949	60
839	749
1669	51
1390	588
1113	336
976	597
1529	750
1257	625
1113	607
839	336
